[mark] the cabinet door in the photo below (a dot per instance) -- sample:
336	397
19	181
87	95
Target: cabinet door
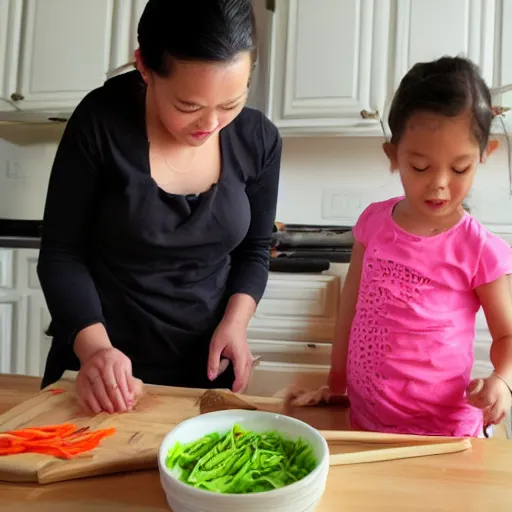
10	30
503	70
7	335
328	64
482	366
428	30
124	42
297	308
273	379
8	302
38	343
34	345
65	51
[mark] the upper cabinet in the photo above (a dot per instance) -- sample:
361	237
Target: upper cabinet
10	33
335	64
428	30
58	53
328	64
325	67
126	20
503	67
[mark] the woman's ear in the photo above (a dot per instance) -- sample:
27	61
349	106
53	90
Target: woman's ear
492	146
391	152
140	65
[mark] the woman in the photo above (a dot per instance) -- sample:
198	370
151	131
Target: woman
159	213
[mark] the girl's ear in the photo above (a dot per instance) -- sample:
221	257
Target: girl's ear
492	146
391	152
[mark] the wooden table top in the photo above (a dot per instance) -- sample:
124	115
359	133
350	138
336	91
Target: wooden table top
477	480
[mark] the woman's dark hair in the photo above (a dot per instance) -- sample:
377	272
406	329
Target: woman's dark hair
448	86
195	30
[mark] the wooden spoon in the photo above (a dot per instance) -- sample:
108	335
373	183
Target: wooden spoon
213	400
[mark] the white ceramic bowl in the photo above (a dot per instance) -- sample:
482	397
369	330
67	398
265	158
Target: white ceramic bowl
301	496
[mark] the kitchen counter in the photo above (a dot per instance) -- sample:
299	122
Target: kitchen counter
477	480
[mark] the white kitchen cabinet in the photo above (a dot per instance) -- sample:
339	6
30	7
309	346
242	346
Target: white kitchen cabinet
503	68
428	30
328	64
297	307
292	330
24	316
126	19
36	344
330	60
64	52
10	33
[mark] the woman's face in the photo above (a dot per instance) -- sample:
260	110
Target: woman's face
198	99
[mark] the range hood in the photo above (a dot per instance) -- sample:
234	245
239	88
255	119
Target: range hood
9	114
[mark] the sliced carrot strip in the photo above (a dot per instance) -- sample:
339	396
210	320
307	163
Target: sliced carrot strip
64	441
57	391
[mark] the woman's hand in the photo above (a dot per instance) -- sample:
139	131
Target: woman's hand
105	381
230	340
491	395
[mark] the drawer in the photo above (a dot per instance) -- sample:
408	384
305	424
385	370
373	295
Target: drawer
272	379
298	307
294	352
26	260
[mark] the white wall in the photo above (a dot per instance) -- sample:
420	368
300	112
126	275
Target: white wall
309	166
26	156
358	164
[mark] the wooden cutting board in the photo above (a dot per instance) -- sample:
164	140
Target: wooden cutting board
134	446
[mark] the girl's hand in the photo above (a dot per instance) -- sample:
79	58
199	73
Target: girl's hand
105	382
337	381
230	340
491	395
299	397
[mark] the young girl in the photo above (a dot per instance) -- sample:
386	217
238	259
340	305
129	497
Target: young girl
421	268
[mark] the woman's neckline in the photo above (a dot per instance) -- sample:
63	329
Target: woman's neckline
399	228
147	169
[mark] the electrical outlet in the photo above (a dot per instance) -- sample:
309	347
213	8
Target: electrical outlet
14	170
342	204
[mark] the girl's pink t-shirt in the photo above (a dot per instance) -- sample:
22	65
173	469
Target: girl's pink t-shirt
411	345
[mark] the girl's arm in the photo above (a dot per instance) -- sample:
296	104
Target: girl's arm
496	300
346	312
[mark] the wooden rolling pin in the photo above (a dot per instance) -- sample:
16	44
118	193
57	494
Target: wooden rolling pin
403	452
356	436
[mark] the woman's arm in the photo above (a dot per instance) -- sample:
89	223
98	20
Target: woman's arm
346	312
72	198
249	268
250	260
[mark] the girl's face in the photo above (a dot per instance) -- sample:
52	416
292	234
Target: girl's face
437	157
198	99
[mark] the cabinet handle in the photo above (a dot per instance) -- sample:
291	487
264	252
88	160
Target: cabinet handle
16	96
370	115
499	111
271	5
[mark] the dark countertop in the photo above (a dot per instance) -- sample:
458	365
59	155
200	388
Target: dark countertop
20	233
19	242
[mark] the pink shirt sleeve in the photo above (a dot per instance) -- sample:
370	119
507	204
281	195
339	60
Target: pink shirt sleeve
361	229
494	262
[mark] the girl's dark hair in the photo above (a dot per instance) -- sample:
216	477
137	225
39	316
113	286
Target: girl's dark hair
448	86
195	30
